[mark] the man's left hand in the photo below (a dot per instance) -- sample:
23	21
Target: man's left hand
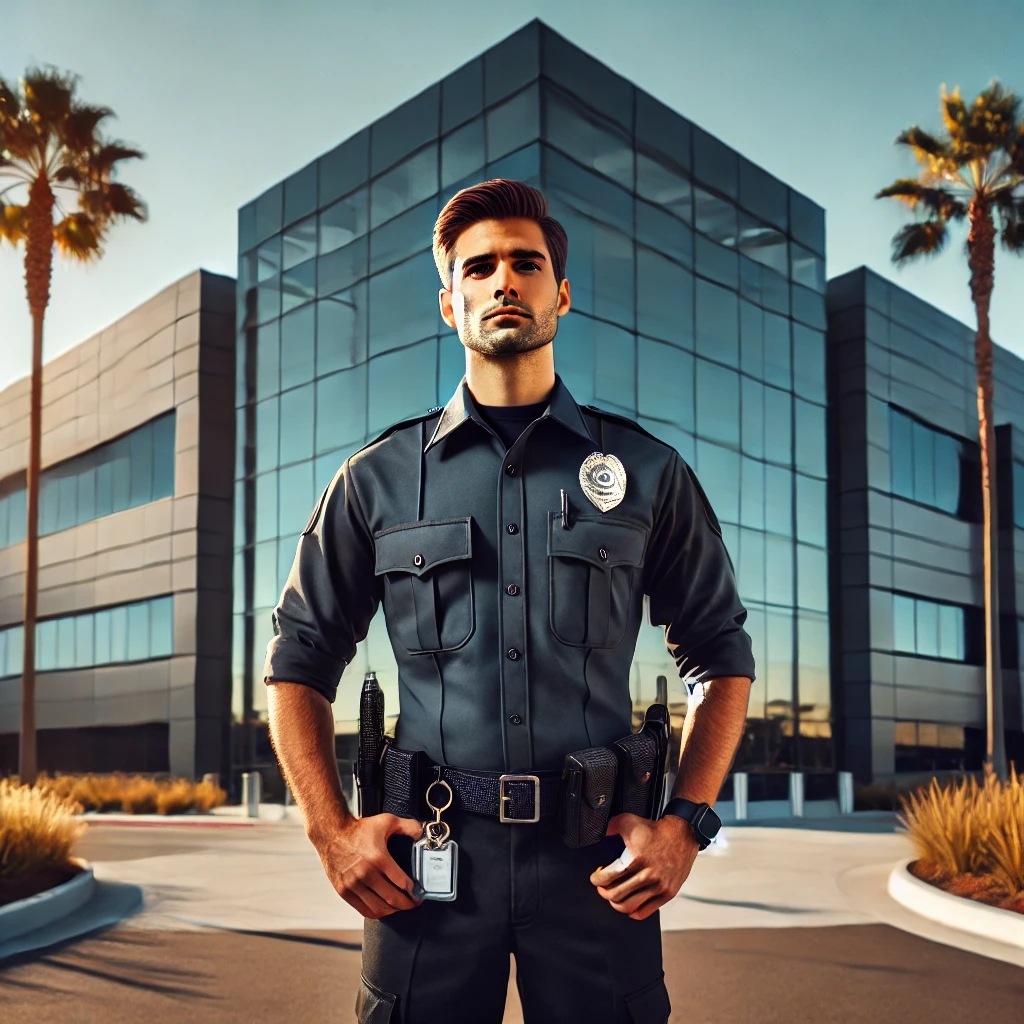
663	853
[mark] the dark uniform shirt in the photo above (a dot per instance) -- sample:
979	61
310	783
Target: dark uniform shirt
513	635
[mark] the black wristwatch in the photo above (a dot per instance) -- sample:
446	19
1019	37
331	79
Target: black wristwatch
702	818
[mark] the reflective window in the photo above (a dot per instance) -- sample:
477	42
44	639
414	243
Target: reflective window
402	384
587	192
268	260
778	570
268	359
1018	495
665	186
298	347
752	417
462	152
266	435
340	408
614	367
750	565
522	165
346	220
752	499
588	138
809	363
462	94
717	323
807	222
404	130
511	65
777	364
715	217
299	243
807	269
751	339
408	184
664	233
719	472
574	355
778	500
811	511
403	306
763	244
778	424
665	383
138	631
265	589
664	298
345	167
813	666
714	163
268	300
402	236
514	123
343	267
295	493
266	506
716	262
927	464
296	424
812	578
341	330
929	629
300	193
660	128
718	399
269	210
809	432
298	286
762	194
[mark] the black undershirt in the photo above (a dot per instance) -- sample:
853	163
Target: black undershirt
509	421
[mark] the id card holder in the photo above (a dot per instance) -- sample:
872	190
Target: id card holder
435	857
436	869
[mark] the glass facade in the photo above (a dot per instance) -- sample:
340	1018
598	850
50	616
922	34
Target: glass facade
135	469
140	631
1018	495
698	310
929	629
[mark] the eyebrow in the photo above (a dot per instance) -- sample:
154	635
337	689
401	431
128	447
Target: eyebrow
519	254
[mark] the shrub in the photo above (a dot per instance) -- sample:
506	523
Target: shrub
135	794
970	828
38	829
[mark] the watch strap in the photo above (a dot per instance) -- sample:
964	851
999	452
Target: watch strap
691	811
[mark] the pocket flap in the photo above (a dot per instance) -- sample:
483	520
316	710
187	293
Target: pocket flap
640	751
373	1005
418	547
622	542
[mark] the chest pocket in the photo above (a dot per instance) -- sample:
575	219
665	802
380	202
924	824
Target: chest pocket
591	573
428	583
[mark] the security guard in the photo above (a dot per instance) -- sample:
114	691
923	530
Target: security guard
512	537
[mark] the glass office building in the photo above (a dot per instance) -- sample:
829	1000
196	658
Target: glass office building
698	310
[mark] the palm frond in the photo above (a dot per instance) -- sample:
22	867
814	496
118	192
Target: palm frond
1017	150
924	144
103	160
10	107
954	112
49	95
993	118
1010	210
922	238
111	202
79	237
78	130
940	202
13	223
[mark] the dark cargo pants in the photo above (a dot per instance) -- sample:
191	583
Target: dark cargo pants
520	891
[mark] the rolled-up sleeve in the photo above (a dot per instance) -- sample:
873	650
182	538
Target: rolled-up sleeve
691	585
330	596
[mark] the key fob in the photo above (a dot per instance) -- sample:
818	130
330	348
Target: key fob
436	869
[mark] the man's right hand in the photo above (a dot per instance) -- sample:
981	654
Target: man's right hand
356	859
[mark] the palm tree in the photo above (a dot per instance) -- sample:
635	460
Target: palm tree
51	146
973	172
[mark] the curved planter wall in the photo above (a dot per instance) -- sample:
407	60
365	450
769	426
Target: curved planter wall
954	911
46	907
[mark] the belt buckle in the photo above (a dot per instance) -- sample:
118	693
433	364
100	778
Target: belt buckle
504	798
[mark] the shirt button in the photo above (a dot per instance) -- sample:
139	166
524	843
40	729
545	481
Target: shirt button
513	528
417	560
512	590
603	553
513	654
510	469
515	719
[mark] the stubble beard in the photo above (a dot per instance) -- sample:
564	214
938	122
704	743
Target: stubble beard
531	334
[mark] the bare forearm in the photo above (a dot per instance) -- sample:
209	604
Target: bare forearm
711	734
302	731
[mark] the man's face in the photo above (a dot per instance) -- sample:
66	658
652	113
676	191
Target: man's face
504	298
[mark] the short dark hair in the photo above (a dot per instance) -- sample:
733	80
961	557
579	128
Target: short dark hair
498	199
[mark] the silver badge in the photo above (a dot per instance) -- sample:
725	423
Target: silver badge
603	480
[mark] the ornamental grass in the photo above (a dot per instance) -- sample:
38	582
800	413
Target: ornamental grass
134	794
969	837
38	829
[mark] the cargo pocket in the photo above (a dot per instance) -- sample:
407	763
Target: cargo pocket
428	583
650	1004
373	1006
591	572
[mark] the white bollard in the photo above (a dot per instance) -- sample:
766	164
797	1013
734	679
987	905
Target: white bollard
252	793
739	795
846	792
796	794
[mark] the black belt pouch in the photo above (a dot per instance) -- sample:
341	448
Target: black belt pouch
638	762
588	788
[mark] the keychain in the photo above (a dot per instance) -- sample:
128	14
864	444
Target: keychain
435	857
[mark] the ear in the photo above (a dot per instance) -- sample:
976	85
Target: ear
564	298
444	297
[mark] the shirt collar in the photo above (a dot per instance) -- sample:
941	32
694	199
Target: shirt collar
461	407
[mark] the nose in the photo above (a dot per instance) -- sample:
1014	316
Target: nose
503	287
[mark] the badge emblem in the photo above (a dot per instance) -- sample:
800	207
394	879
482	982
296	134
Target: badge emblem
603	480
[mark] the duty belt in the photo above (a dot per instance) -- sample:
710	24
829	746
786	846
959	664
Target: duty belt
511	798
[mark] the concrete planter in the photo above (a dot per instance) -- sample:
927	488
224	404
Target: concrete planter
44	908
954	911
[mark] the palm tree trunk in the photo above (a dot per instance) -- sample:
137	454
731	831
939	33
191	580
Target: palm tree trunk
38	268
981	249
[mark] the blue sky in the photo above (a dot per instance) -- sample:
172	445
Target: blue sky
227	98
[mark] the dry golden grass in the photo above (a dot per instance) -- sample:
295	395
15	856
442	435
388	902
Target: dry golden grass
38	829
969	836
134	794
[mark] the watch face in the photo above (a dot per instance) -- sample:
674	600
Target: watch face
709	824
